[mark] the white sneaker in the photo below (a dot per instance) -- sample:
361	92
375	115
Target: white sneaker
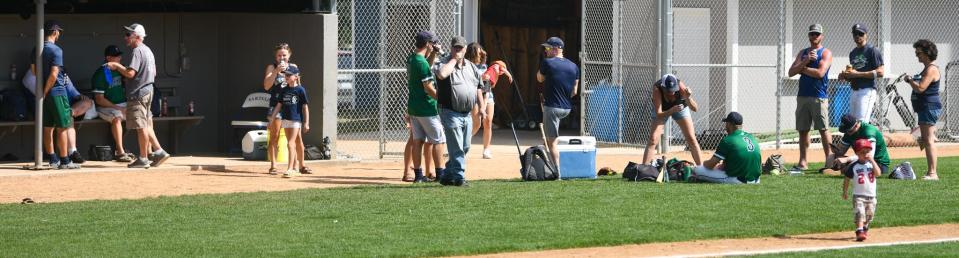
290	173
934	177
487	154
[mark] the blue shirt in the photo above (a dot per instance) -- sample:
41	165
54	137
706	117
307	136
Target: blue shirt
52	55
864	59
813	87
293	99
928	99
560	74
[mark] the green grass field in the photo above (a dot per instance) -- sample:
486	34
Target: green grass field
488	216
947	249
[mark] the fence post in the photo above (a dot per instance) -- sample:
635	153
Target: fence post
780	58
666	60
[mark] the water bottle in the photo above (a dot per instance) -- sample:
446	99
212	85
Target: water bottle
13	72
917	135
189	109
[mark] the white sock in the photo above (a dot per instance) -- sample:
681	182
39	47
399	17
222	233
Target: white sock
73	149
158	151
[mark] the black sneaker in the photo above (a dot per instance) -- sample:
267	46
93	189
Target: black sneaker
139	163
77	158
420	179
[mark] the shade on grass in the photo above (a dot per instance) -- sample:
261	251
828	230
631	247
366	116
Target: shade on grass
488	216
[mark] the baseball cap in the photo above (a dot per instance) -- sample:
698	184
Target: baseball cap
669	83
848	120
861	144
734	118
553	42
51	25
112	50
458	42
859	27
292	70
426	36
816	28
137	29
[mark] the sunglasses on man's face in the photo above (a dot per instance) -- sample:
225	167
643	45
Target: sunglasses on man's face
858	34
814	34
128	34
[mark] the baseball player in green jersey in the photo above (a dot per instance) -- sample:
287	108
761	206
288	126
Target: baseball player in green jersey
738	159
853	129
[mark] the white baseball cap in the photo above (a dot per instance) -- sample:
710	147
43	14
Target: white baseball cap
137	29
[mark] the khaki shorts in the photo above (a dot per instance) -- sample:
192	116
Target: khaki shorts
138	110
811	112
863	208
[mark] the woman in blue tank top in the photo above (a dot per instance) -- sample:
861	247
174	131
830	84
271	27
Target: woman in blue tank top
925	100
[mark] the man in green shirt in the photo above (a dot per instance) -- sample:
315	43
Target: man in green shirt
737	160
111	99
421	107
853	129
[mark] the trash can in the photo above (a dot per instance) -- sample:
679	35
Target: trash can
602	112
839	103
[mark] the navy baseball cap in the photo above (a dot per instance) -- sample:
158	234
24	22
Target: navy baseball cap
426	36
112	50
554	42
669	83
734	118
859	27
848	121
292	70
51	25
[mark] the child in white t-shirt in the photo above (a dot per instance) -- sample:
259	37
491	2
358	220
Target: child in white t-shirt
863	173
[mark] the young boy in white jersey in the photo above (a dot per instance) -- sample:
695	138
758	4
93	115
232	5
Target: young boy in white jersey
863	173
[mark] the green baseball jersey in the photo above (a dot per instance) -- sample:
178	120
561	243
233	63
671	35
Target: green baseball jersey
113	89
741	155
418	71
870	132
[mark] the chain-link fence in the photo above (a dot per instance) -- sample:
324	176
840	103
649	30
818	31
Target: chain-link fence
734	55
375	39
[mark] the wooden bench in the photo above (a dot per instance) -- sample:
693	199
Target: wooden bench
177	125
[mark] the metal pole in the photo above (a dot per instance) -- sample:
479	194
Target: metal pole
382	119
667	59
38	68
618	69
582	71
458	17
780	58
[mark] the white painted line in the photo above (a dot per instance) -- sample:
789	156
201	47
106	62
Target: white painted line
814	249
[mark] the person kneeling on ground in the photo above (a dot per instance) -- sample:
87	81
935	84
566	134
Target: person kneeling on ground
737	160
854	129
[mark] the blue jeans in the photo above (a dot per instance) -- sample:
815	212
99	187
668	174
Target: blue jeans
456	127
718	176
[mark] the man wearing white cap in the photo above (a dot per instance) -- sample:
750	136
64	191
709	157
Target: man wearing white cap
140	75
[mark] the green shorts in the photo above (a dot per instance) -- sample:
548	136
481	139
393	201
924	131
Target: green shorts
56	112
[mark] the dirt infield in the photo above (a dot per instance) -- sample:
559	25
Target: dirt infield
779	244
197	175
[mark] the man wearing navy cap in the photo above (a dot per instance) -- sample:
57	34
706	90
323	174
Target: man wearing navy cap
865	66
560	79
737	160
111	99
425	124
854	129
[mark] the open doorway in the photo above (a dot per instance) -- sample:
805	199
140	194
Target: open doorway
512	31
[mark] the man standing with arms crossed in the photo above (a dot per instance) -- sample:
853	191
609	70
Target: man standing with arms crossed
141	74
812	65
865	65
560	79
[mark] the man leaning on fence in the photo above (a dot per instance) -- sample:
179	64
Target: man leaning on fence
812	66
459	87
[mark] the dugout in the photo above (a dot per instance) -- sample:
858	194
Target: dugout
209	52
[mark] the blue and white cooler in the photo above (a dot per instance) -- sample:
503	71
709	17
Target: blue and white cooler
577	156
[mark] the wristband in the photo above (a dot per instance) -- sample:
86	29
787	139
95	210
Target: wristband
874	74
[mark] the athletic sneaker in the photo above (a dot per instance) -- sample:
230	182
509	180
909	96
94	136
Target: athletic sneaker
53	161
124	157
860	235
487	154
157	158
139	163
69	165
76	157
290	173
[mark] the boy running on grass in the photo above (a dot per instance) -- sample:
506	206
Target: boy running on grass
296	115
864	172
